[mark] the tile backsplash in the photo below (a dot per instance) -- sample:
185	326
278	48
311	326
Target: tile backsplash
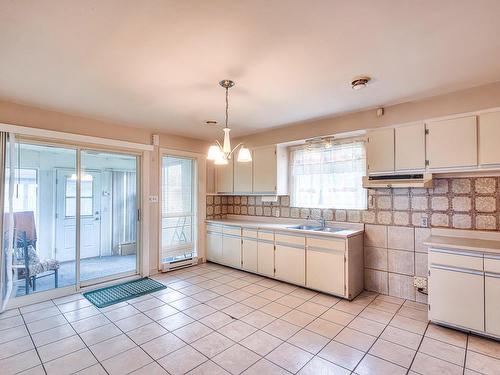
462	203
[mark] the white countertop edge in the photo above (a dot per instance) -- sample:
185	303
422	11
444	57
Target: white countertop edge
350	229
462	243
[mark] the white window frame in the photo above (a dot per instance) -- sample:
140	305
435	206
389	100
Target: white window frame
291	149
200	184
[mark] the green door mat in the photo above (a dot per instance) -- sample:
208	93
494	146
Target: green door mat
122	292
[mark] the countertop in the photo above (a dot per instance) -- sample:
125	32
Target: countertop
463	243
284	227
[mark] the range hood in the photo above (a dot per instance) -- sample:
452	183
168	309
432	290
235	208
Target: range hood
419	180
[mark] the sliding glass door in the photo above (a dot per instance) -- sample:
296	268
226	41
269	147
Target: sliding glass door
179	210
44	240
60	194
108	215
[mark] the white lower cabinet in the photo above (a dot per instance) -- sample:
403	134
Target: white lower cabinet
326	270
457	296
290	263
327	264
265	257
492	303
249	253
231	250
492	294
214	243
290	258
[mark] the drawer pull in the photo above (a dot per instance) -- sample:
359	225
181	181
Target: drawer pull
455	269
295	246
456	252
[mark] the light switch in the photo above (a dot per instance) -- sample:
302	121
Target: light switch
153	199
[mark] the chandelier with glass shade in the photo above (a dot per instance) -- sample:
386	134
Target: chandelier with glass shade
221	154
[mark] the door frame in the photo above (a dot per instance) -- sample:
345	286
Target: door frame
143	154
200	184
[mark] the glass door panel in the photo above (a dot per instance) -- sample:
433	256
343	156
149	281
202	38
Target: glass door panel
108	214
178	220
44	238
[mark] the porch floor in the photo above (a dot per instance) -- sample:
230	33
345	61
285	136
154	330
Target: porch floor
91	268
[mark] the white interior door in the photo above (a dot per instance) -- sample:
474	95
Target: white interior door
66	214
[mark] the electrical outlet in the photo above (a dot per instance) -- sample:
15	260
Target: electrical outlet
424	221
420	283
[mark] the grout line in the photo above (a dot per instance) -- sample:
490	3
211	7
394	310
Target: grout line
466	350
34	346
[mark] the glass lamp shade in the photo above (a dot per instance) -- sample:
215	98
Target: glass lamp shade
244	155
214	153
226	147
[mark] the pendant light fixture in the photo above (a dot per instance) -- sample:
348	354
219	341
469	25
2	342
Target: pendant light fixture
221	154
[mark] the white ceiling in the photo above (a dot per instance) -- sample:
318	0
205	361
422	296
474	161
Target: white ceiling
157	64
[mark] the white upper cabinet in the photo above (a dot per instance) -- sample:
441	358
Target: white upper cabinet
489	137
380	151
270	170
452	143
243	177
410	147
224	177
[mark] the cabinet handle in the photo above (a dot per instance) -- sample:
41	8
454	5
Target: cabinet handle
295	246
454	269
456	252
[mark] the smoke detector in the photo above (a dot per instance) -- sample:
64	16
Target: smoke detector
360	82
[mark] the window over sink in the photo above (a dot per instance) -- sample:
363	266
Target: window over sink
328	175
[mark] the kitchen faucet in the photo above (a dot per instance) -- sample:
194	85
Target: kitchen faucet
321	220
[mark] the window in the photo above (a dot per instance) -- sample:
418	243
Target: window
329	177
178	208
86	194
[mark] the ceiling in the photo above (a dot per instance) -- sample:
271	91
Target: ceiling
157	64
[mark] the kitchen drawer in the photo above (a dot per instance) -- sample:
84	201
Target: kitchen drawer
249	233
456	258
234	230
214	227
291	239
326	243
266	235
492	263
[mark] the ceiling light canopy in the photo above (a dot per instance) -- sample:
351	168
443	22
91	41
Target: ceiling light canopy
221	154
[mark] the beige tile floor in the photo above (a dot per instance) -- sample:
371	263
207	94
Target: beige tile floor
216	320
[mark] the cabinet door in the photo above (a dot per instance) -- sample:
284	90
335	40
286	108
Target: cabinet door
492	303
290	263
249	249
265	257
326	270
380	151
489	134
214	246
243	177
452	143
264	170
456	296
231	250
224	175
410	147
